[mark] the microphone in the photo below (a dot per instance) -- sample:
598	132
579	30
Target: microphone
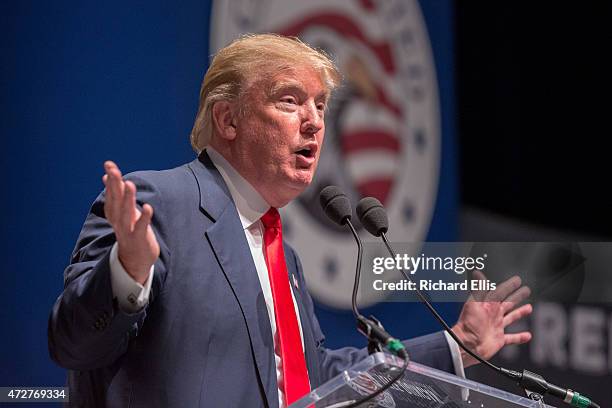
373	217
337	207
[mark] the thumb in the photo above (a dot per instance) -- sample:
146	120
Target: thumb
146	215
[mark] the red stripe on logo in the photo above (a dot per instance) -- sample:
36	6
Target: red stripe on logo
384	100
378	188
367	4
365	139
346	27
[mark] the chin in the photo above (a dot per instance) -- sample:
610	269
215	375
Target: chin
302	178
289	192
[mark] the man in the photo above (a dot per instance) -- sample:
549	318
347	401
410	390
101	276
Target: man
181	292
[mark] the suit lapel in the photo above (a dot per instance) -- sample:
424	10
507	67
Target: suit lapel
227	239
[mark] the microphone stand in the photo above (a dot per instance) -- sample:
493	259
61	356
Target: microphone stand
373	329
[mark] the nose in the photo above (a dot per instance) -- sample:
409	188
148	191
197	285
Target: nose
312	118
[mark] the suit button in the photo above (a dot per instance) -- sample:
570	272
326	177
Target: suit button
100	323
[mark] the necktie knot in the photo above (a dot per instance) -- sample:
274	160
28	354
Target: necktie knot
271	219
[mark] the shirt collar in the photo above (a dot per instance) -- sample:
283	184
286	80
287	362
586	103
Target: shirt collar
249	203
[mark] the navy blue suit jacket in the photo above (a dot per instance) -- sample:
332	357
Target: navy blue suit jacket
204	339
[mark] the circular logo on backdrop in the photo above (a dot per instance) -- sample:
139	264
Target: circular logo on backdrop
382	134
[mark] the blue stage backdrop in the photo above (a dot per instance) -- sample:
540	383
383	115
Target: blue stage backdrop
83	82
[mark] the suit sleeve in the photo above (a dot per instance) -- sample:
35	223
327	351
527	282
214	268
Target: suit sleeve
87	329
431	350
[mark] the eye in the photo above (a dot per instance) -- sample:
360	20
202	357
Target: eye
321	107
288	99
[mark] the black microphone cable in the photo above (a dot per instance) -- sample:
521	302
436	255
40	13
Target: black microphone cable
337	207
373	217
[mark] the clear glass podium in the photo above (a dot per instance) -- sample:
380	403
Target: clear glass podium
420	386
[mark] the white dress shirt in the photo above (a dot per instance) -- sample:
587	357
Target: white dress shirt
132	296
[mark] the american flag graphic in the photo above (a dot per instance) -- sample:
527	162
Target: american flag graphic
364	122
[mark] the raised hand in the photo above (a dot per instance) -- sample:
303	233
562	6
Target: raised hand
485	316
138	248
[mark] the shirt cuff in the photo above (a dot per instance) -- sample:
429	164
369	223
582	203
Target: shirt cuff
457	362
131	295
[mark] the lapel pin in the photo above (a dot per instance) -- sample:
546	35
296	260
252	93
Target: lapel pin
295	282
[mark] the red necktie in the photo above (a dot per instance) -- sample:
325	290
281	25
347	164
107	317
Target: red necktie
295	376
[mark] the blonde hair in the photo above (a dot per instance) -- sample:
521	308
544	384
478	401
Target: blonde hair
236	66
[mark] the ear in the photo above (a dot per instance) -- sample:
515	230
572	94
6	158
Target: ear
223	120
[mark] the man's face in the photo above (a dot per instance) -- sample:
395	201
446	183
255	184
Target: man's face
280	135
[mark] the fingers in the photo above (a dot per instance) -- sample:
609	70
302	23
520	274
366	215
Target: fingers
517	338
144	220
517	314
478	274
504	289
120	203
108	195
479	295
110	165
128	212
114	181
515	298
114	190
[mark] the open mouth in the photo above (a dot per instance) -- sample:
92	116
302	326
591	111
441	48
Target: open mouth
306	152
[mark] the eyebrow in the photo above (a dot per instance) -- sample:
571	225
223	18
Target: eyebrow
295	86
